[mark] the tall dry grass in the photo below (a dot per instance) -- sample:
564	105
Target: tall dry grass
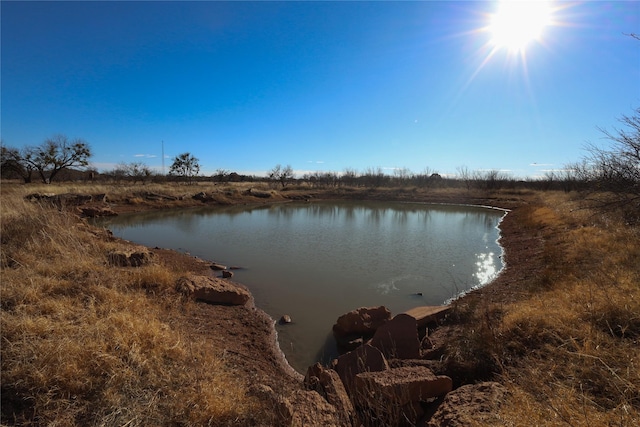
83	343
569	349
139	195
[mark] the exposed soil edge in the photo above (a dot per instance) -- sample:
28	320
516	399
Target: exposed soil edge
491	291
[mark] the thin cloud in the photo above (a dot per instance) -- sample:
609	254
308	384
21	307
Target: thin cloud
146	156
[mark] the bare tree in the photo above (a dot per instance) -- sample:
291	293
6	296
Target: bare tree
51	157
135	171
465	175
186	166
138	171
221	175
614	171
493	179
374	177
402	175
13	166
349	177
281	174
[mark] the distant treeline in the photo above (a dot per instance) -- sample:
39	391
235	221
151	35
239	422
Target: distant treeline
608	177
607	187
569	180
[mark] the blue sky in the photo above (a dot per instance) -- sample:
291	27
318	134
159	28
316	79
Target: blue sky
321	86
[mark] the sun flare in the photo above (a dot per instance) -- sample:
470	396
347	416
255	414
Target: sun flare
517	23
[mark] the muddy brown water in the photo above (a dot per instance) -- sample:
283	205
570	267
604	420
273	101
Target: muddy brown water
316	261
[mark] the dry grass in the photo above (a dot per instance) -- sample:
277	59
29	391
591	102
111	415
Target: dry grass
83	343
139	196
570	350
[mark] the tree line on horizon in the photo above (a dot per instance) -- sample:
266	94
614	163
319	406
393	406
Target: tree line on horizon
613	171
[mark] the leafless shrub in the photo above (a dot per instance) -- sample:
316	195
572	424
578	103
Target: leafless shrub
612	173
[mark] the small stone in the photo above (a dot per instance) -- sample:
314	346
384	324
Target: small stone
285	319
226	274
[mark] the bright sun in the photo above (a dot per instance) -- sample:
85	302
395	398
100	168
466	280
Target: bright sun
518	22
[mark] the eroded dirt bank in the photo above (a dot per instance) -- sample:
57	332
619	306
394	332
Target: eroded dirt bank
247	335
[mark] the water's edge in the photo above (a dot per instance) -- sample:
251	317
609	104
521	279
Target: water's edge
288	369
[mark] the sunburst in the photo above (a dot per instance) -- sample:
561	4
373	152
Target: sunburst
516	24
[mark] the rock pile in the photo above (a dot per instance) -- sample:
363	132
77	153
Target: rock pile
381	379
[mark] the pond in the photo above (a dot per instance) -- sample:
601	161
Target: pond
316	261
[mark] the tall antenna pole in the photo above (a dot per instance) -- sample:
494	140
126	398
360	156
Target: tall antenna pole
163	157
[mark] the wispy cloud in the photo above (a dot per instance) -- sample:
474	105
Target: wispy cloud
146	156
540	164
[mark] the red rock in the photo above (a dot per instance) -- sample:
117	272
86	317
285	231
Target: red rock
363	359
328	383
471	404
213	290
400	385
398	338
363	321
428	314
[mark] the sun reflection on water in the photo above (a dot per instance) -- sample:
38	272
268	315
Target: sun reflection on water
486	268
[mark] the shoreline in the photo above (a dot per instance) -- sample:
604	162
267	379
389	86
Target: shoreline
276	349
509	330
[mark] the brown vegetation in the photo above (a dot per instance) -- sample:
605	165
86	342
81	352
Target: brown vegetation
561	327
87	343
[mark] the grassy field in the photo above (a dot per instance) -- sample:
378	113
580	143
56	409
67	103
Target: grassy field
578	332
567	345
84	343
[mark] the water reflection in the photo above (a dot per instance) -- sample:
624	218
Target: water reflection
487	269
316	261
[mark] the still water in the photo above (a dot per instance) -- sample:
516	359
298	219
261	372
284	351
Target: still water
316	261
